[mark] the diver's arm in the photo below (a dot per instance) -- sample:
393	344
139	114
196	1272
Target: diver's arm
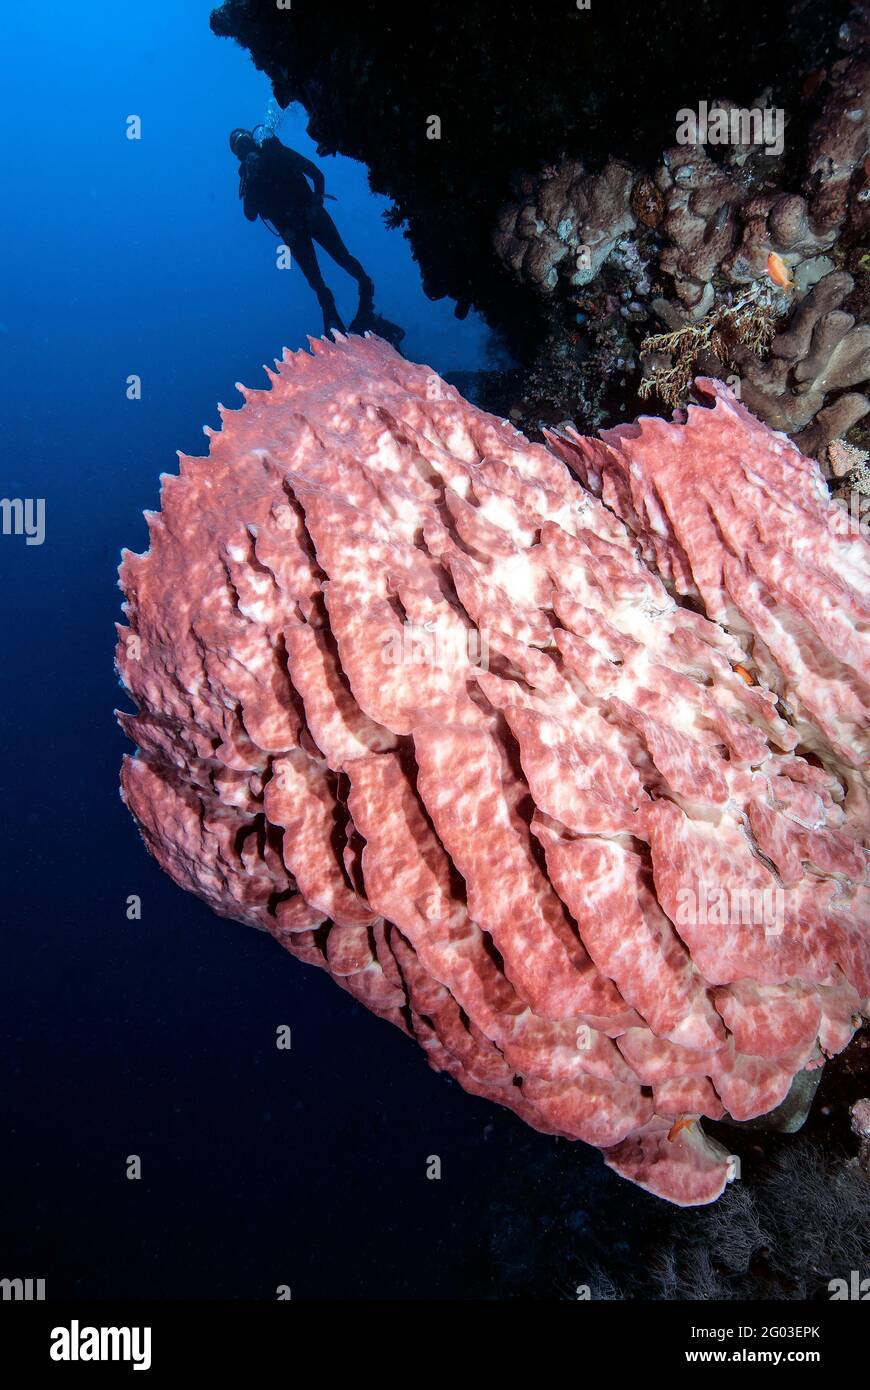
312	172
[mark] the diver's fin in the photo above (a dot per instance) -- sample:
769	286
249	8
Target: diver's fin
376	323
331	316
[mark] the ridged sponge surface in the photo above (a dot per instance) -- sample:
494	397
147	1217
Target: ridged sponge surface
552	755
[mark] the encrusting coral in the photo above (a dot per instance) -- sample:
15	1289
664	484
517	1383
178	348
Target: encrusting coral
456	729
707	230
569	225
821	353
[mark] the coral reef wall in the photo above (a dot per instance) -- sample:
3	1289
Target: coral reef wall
512	89
550	194
715	244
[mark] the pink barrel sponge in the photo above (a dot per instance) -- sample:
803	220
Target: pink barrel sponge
566	779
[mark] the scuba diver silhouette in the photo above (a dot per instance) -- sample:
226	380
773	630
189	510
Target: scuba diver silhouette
274	186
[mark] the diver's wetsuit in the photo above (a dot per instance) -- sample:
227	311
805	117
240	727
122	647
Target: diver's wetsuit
275	186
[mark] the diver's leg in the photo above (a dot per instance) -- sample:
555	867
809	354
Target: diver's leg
326	234
304	255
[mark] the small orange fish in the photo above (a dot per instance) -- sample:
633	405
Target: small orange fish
744	675
779	271
684	1122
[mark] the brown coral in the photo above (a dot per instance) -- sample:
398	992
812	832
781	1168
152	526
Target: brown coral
716	226
821	353
839	142
567	227
647	202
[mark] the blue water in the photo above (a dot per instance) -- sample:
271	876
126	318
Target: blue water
156	1038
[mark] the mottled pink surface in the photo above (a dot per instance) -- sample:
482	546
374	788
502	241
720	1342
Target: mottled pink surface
447	725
